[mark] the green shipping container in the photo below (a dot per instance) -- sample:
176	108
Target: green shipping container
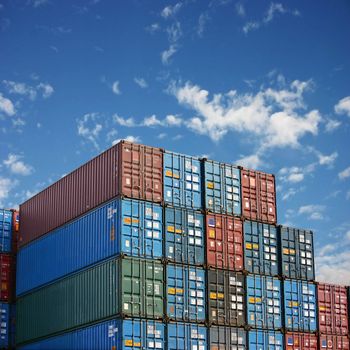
124	286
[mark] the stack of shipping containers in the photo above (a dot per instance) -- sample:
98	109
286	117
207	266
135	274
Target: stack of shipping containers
8	241
142	248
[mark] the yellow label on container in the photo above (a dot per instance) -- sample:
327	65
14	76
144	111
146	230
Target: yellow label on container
292	251
169	173
220	295
127	220
248	245
286	251
255	246
293	304
179	291
253	300
322	308
171	291
210	185
128	342
212	296
178	230
176	176
211	233
171	229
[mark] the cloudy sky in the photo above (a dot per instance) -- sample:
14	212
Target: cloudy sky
258	83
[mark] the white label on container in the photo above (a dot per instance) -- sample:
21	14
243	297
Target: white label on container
188	164
195	187
198	233
195	178
148	211
193	293
126	306
198	241
199	294
156	234
191	240
191	232
229	196
188	186
127	243
168	194
156	225
171	250
155	216
159	345
190	219
156	289
188	177
148	224
229	189
194	347
127	180
197	223
200	302
151	344
193	301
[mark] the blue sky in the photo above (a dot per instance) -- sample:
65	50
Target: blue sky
257	83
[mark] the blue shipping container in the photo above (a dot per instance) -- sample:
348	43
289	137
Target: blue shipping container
184	236
7	324
186	287
264	302
186	336
222	188
260	248
300	306
132	227
182	181
108	335
5	230
227	338
265	340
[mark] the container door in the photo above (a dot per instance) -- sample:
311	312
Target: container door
272	300
213	187
172	178
176	293
235	299
176	336
234	243
216	290
255	304
215	241
292	305
154	335
175	234
308	312
152	174
232	190
194	252
132	334
154	293
196	294
249	194
193	194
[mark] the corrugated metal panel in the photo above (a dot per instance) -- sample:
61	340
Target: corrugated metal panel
258	196
184	236
300	308
264	302
7	326
5	230
226	298
7	277
185	336
224	242
132	170
300	341
182	181
333	342
132	227
332	309
227	338
131	287
297	252
186	289
260	248
222	188
265	340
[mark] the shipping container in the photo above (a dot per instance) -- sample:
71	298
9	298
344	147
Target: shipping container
332	309
222	187
297	252
226	298
264	302
258	196
7	276
113	334
184	236
185	336
6	226
227	338
265	340
127	169
300	341
7	324
224	242
121	226
260	248
182	181
125	286
333	342
300	307
186	289
15	230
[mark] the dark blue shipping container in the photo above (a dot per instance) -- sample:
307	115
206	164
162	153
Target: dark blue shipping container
300	306
260	248
5	230
265	340
264	302
227	338
184	236
186	336
222	188
109	335
132	227
7	325
186	293
182	181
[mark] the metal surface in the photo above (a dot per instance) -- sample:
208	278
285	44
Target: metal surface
300	341
265	340
182	181
227	338
226	298
258	196
185	294
332	309
7	277
184	236
128	169
222	185
300	307
186	336
7	325
224	242
297	251
333	342
260	248
6	226
264	302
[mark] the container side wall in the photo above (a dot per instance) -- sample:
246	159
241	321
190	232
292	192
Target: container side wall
333	342
7	277
226	338
183	336
268	340
5	327
6	228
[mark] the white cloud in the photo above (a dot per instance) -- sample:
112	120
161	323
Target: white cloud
347	235
89	128
38	3
347	195
167	54
154	27
47	90
313	211
17	166
162	135
6	185
344	174
129	122
18	122
202	21
129	138
252	161
249	26
327	160
141	82
115	88
273	10
169	121
169	11
343	106
291	192
151	121
173	120
31	92
174	32
6	106
332	125
240	9
295	174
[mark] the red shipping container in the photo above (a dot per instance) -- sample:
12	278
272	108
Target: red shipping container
300	341
332	309
333	342
127	169
224	241
15	229
7	276
258	196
